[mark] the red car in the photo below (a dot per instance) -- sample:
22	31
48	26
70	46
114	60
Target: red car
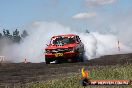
64	47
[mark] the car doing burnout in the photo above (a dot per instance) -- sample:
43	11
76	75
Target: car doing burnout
64	47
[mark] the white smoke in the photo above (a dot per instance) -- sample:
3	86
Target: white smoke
90	44
32	48
97	44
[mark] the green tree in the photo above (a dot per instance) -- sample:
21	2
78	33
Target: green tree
16	36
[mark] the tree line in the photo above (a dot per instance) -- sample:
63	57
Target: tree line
14	37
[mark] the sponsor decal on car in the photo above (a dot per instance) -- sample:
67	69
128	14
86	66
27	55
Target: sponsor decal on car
58	54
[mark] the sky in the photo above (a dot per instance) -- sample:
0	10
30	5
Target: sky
77	14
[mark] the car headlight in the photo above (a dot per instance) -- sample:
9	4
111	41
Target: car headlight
47	51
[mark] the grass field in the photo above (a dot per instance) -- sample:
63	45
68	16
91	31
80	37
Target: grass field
96	72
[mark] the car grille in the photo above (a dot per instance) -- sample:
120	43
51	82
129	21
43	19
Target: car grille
60	50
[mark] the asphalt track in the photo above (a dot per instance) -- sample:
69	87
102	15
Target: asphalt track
13	73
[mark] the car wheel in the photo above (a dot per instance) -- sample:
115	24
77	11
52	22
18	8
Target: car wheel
47	61
57	61
80	57
70	60
74	59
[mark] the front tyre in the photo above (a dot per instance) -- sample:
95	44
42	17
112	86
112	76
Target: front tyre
47	61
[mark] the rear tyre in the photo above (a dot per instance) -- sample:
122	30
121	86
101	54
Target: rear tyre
80	57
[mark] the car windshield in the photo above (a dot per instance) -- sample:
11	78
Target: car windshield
63	40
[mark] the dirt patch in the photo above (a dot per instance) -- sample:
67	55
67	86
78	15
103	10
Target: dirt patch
13	73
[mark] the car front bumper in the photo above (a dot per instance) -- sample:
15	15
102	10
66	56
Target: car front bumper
56	56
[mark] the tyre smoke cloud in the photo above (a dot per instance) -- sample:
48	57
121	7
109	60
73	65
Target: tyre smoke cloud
32	48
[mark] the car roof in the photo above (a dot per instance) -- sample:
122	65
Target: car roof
65	35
